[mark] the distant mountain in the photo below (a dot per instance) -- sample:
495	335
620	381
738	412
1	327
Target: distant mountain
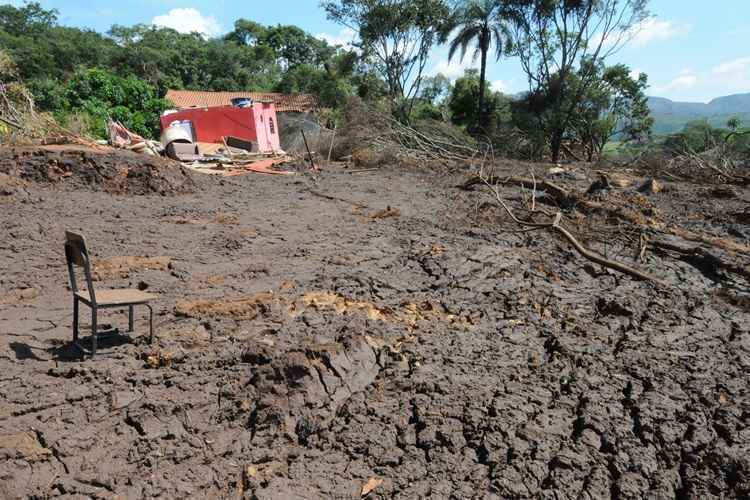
671	116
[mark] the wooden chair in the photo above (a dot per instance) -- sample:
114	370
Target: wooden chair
77	254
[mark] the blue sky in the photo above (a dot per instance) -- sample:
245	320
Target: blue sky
691	50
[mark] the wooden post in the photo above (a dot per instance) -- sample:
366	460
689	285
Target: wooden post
309	154
333	138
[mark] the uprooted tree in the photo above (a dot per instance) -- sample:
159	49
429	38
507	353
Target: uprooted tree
558	40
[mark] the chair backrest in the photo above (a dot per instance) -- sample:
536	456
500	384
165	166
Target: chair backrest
76	254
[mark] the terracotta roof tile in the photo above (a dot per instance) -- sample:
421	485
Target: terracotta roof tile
200	99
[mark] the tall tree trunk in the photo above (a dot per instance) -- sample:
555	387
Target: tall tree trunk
556	144
482	76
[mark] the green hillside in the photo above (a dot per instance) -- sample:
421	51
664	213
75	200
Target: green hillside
669	124
672	116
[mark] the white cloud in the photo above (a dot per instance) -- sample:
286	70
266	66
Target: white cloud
733	76
725	78
648	31
684	81
452	69
635	74
501	86
188	20
737	68
345	38
655	30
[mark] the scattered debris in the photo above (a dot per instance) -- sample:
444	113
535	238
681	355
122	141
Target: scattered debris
121	137
371	485
651	186
385	213
263	166
23	445
158	359
381	137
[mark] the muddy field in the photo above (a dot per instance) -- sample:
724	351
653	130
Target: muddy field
375	334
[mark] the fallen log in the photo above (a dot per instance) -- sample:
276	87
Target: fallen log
567	198
611	264
588	254
558	193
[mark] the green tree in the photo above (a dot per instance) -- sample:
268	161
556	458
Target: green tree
169	59
43	49
30	20
245	32
101	94
436	89
332	84
290	45
463	99
697	136
293	46
553	39
615	105
734	123
397	36
481	23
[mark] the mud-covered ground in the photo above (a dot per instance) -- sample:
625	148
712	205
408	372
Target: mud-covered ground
376	333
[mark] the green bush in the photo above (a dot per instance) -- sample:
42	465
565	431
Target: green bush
98	95
697	136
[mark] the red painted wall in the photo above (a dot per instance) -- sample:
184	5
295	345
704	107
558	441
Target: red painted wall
212	124
267	126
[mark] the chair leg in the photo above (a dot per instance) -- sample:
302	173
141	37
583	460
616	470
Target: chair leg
150	323
75	319
130	318
94	330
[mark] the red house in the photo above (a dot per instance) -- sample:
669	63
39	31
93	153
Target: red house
214	116
256	123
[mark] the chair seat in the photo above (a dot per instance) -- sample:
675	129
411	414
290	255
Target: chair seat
122	297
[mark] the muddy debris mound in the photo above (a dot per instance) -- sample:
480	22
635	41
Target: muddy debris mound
105	169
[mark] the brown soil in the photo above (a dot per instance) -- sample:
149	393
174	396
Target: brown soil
113	171
380	334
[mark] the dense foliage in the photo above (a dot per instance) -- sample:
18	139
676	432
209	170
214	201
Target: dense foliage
575	104
699	136
83	77
481	23
562	45
396	37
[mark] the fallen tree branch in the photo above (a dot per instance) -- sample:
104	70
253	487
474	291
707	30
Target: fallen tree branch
566	198
560	194
556	225
10	122
336	198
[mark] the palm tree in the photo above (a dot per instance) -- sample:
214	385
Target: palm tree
483	23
